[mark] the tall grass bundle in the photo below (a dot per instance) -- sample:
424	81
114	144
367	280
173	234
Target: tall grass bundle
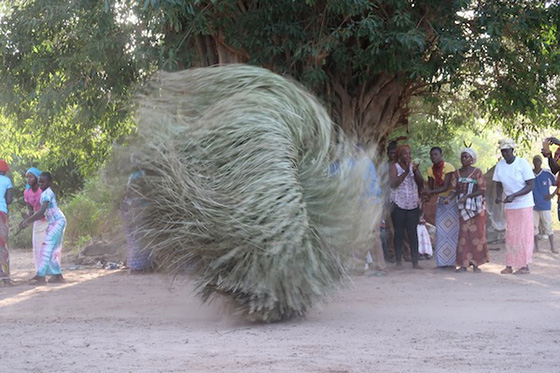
236	163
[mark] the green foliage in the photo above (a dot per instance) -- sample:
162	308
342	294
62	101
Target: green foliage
506	51
70	70
90	213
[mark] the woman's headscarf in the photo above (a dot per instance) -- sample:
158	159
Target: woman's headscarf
4	166
35	171
470	152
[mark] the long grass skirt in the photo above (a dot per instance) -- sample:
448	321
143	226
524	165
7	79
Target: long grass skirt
519	237
447	232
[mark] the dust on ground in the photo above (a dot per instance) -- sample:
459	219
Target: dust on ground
408	321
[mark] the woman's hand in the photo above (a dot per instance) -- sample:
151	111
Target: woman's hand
23	224
463	199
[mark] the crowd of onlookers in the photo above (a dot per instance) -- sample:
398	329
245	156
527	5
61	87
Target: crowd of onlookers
460	213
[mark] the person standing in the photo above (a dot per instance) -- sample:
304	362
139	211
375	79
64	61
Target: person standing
32	198
389	251
49	261
514	176
405	180
6	195
469	185
544	179
440	176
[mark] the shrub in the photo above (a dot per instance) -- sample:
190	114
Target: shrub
91	213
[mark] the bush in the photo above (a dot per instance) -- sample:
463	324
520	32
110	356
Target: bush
91	213
23	240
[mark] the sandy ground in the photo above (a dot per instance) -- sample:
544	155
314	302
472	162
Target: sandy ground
408	321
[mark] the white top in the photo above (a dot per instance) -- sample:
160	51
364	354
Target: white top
513	177
5	184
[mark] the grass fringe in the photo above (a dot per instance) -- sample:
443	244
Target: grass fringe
237	164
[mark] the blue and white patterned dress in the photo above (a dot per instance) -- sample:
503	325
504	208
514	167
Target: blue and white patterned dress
51	248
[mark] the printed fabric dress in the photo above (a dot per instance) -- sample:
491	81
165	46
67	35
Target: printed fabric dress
472	247
49	259
447	224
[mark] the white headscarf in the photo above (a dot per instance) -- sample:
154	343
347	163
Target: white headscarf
506	144
470	152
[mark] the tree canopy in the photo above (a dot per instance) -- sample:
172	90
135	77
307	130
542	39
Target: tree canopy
71	67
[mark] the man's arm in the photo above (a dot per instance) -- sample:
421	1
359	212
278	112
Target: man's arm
526	189
499	191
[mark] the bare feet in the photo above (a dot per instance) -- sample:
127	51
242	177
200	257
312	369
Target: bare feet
57	279
37	281
416	266
461	269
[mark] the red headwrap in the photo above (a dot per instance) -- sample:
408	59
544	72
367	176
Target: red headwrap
4	167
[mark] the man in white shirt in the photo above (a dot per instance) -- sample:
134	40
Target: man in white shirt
515	178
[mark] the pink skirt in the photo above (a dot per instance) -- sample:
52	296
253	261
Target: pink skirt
519	237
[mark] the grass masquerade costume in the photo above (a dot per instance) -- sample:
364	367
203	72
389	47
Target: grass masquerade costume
236	164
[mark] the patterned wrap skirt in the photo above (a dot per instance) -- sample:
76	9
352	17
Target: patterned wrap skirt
447	232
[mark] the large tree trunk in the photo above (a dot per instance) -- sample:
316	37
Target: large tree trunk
370	111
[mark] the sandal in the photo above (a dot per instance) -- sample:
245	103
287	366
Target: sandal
506	271
7	282
461	269
522	271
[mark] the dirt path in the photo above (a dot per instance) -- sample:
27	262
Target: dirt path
408	321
